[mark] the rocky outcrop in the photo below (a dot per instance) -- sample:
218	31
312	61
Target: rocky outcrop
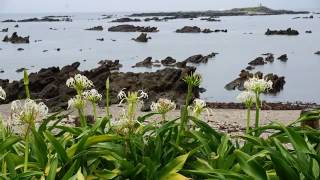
195	29
168	61
8	20
256	62
289	32
283	58
210	19
269	58
15	39
278	82
50	84
145	63
189	29
132	28
199	58
122	20
5	30
96	28
142	38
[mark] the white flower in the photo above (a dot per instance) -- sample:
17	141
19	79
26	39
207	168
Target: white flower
76	102
143	95
122	94
246	97
79	82
198	107
163	106
92	95
28	111
258	85
2	94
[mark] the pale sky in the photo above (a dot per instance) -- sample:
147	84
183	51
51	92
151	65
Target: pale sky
35	6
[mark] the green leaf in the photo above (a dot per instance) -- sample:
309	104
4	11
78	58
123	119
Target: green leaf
252	168
58	147
40	148
173	167
8	142
53	169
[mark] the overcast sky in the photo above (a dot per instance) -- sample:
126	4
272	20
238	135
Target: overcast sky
14	6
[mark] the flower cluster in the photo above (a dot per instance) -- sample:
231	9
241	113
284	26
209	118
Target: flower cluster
258	85
76	102
198	107
193	80
163	106
2	94
132	97
79	82
92	95
29	111
246	97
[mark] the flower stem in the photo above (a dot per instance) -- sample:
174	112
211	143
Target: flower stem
26	83
26	150
107	98
257	111
163	118
83	122
248	120
94	111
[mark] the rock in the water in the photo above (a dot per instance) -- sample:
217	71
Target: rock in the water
121	20
308	32
9	20
249	68
15	39
21	70
112	65
257	61
289	31
207	31
269	58
189	29
278	82
132	28
168	61
100	39
210	19
16	26
20	49
317	53
142	38
283	58
196	59
5	30
96	28
145	63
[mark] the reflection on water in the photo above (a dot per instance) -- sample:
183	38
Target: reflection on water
236	48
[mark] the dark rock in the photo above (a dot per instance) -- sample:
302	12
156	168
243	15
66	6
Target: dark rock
112	65
132	28
283	58
15	39
308	32
122	20
182	64
189	29
142	38
58	49
9	20
37	41
278	82
249	68
16	26
257	61
317	53
1	71
168	61
20	49
100	39
207	31
153	19
289	31
21	70
54	29
145	63
269	58
5	30
49	84
210	19
221	30
45	50
96	28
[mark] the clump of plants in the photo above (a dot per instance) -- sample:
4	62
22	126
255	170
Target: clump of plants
184	147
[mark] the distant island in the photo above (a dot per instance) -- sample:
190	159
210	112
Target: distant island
249	11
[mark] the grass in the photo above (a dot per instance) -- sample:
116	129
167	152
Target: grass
159	151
